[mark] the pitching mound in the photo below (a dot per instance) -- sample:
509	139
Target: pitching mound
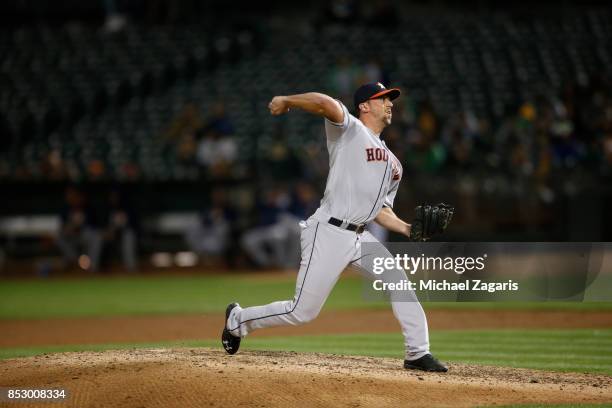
204	377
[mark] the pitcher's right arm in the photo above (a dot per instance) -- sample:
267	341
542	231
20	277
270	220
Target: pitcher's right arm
312	102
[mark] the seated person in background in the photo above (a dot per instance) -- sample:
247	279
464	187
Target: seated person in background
217	150
304	200
275	241
122	227
216	153
79	231
211	237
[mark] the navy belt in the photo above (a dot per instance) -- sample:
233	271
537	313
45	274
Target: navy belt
347	225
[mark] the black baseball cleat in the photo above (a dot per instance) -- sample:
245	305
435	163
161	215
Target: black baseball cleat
426	363
231	343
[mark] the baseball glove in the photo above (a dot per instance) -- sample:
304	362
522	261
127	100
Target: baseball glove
430	220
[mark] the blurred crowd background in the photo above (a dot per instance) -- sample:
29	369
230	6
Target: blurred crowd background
136	133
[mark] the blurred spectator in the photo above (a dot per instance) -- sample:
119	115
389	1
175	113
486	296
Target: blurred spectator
96	169
607	149
182	132
217	153
566	149
122	227
186	123
274	242
372	72
424	154
54	167
278	161
314	159
217	150
219	122
427	121
79	231
459	137
343	77
115	21
305	200
212	236
340	12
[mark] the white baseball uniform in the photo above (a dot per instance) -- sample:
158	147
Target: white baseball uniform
363	177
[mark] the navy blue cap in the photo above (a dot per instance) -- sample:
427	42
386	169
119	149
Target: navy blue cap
373	91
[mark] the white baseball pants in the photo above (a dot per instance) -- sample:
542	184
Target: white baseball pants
326	251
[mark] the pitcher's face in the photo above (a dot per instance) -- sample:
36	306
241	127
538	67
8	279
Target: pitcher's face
381	109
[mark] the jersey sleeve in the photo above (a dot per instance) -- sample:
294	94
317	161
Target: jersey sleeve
333	130
390	198
396	177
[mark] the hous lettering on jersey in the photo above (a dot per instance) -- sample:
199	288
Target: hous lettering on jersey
379	154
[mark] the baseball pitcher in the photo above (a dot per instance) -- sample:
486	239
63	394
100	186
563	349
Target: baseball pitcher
361	186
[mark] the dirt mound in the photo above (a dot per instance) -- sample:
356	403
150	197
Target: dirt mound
204	377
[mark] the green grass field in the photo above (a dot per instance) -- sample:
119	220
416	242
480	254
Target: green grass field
35	299
560	350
